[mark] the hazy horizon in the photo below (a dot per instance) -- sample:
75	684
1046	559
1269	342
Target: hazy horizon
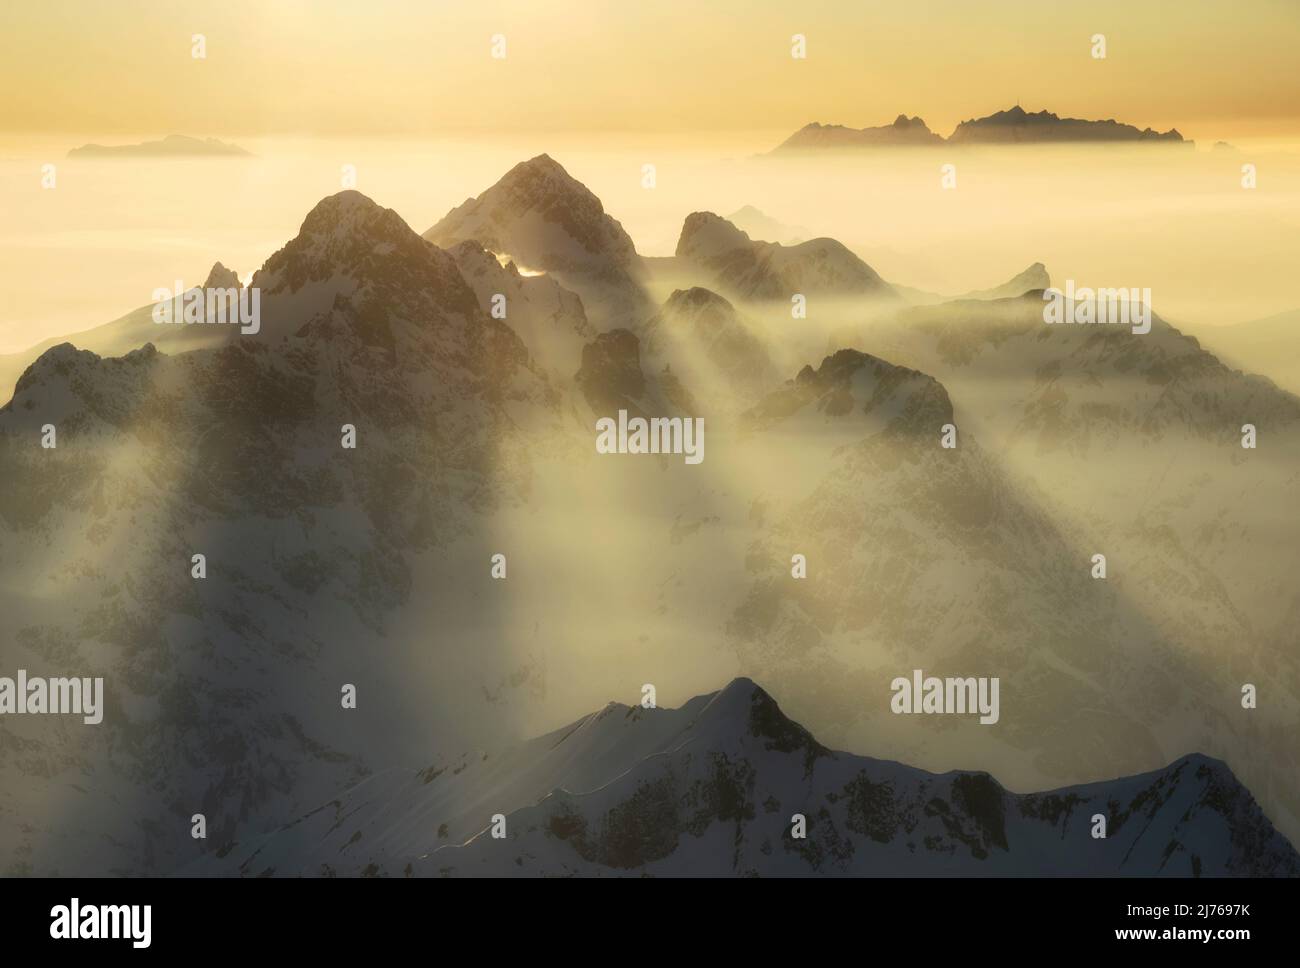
315	86
1170	218
300	69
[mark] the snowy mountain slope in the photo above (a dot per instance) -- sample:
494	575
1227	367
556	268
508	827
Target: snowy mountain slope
393	817
223	691
1119	444
548	318
923	557
712	788
1270	346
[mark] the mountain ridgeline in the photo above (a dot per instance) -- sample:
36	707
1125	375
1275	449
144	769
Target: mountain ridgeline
1012	126
727	784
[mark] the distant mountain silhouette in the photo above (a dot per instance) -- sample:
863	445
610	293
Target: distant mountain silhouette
1017	126
172	146
904	131
1012	126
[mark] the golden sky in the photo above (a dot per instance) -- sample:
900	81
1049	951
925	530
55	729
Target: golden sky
1213	68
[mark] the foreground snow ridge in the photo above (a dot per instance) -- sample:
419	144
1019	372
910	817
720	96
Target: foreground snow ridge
727	784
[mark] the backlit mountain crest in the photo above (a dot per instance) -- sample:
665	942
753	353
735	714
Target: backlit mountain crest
542	217
714	787
350	247
545	219
750	269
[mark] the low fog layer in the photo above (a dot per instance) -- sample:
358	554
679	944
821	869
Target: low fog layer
824	438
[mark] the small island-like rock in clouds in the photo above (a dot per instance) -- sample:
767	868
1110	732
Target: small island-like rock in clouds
172	146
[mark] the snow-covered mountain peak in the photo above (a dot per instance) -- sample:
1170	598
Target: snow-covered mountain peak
743	710
351	248
344	232
542	217
542	176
